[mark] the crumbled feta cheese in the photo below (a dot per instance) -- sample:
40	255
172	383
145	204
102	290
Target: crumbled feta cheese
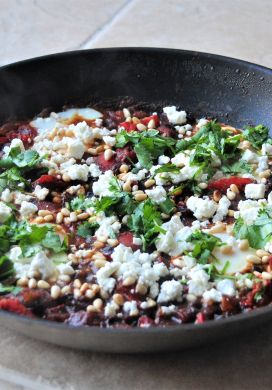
75	148
248	210
109	140
20	197
42	264
202	122
27	209
174	116
157	195
94	170
254	191
17	143
137	241
130	307
14	253
222	210
180	160
250	156
163	160
226	287
267	149
101	186
7	196
107	225
104	276
111	309
199	281
203	208
262	163
40	193
168	310
212	295
171	290
65	269
78	172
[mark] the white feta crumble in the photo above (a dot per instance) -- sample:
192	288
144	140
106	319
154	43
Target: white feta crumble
104	276
168	310
267	149
78	172
20	197
199	281
157	195
226	287
202	122
255	191
250	156
111	309
40	193
248	210
5	212
65	269
262	163
94	170
212	295
203	208
107	225
174	116
7	195
180	160
43	265
17	143
27	209
222	210
171	290
130	307
75	148
163	160
109	140
101	186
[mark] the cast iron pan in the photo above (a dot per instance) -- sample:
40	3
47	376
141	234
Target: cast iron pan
234	91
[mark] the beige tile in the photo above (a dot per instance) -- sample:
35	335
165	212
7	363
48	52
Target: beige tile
238	28
31	28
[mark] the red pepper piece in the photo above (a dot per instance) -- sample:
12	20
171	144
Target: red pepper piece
50	181
147	119
200	318
13	305
128	126
126	238
224	184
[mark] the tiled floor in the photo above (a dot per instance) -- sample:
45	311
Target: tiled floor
238	28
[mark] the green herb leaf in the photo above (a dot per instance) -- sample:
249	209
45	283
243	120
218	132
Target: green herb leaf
256	135
87	229
204	244
240	166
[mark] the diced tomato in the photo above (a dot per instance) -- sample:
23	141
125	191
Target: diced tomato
200	318
105	165
224	183
147	119
126	238
13	305
145	322
128	126
50	181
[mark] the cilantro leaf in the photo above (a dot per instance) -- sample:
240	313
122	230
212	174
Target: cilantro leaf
9	289
81	203
204	244
167	168
256	135
87	229
6	268
52	241
240	166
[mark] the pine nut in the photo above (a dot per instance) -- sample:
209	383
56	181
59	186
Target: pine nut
77	283
127	186
89	294
226	249
108	154
85	286
124	168
265	174
92	151
32	283
91	309
141	289
266	275
112	242
118	299
66	290
48	218
77	293
22	282
73	217
245	145
83	216
261	253
43	284
265	259
59	218
98	244
102	238
43	213
218	228
253	259
128	281
203	186
231	213
150	302
99	263
135	120
234	188
230	194
72	257
243	245
95	288
55	291
151	124
39	220
178	263
66	178
98	304
216	195
64	278
140	197
57	199
64	211
141	127
135	188
126	113
149	183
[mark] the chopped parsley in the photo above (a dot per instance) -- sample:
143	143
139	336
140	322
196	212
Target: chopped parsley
87	229
204	244
256	135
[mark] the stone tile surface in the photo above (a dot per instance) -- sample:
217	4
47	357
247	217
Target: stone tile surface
239	28
30	28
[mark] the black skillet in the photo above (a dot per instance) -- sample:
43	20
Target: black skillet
234	91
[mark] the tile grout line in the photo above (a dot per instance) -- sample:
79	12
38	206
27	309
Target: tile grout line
88	42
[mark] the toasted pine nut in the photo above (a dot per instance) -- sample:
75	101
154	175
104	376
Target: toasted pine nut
66	177
150	302
43	284
231	195
64	278
83	216
65	212
141	127
99	263
216	195
261	253
32	283
231	213
91	309
112	242
108	154
98	303
267	275
243	245
43	213
39	220
55	291
118	299
98	244
22	282
245	145
89	294
57	199
77	283
218	228
127	186
253	259
265	174
124	168
234	188
226	249
66	290
140	197
128	281
265	259
141	289
59	218
178	263
151	124
203	186
48	218
126	113
76	293
149	183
